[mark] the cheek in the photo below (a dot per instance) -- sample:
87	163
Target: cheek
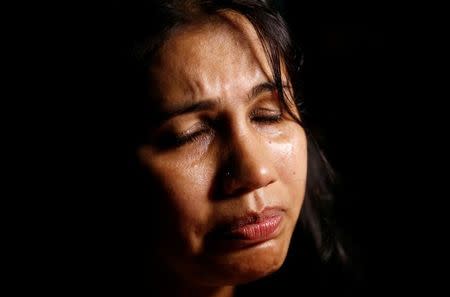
182	180
291	166
183	188
291	158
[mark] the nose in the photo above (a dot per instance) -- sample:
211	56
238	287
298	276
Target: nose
247	165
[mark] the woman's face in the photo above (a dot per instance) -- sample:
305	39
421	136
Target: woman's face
227	163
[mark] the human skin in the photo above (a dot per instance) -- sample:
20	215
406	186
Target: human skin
234	156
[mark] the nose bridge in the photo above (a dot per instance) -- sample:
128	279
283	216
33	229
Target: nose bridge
249	153
248	164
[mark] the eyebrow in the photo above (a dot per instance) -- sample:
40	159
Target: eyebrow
209	104
261	88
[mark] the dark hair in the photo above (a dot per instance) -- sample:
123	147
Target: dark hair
152	24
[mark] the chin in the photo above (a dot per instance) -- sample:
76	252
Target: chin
246	265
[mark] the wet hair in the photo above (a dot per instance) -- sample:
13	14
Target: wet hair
151	25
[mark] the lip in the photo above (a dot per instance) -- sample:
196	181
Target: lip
250	229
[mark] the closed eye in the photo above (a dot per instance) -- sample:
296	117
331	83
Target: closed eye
198	135
266	116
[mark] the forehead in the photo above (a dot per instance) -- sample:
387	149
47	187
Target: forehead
215	51
219	35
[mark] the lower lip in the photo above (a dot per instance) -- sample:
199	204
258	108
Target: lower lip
258	231
250	235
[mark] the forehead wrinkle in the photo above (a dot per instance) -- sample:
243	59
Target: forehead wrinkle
200	79
232	36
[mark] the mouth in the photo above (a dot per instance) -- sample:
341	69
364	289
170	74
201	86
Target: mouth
249	230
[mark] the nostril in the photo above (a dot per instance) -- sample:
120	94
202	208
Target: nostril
238	182
246	165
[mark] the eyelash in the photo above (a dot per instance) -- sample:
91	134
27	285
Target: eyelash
266	117
276	118
192	137
183	139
